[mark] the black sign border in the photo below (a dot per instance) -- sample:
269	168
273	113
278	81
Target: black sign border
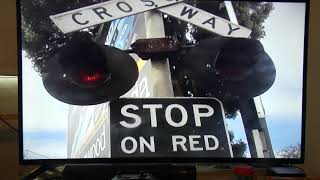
174	98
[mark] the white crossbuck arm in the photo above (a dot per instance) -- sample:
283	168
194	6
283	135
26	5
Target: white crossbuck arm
107	11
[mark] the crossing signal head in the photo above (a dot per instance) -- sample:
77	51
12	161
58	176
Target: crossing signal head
85	73
230	68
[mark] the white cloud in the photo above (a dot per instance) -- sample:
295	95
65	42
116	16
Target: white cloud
284	42
283	104
40	110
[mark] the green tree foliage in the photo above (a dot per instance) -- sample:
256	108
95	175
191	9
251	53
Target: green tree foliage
238	146
41	39
293	151
252	15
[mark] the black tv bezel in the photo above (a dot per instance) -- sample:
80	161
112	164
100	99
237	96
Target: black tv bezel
163	160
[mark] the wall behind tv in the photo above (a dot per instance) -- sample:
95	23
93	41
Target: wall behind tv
10	169
312	159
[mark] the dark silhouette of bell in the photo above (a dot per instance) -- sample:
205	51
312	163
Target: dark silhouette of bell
85	73
230	68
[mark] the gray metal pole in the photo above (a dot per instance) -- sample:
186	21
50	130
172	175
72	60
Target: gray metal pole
160	75
256	130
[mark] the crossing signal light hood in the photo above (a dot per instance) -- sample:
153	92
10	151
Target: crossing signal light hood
86	73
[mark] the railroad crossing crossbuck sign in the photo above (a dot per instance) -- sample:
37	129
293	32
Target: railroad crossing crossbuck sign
107	11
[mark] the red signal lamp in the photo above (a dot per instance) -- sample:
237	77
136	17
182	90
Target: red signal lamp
85	78
91	78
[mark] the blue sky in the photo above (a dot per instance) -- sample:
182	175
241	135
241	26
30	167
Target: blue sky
284	131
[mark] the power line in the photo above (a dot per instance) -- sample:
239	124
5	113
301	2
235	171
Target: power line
36	153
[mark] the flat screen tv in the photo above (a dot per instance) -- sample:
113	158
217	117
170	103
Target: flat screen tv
226	85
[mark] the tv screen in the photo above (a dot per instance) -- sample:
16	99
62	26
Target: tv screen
227	84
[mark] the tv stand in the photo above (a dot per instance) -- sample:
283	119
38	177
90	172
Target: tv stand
130	172
38	171
285	171
141	176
